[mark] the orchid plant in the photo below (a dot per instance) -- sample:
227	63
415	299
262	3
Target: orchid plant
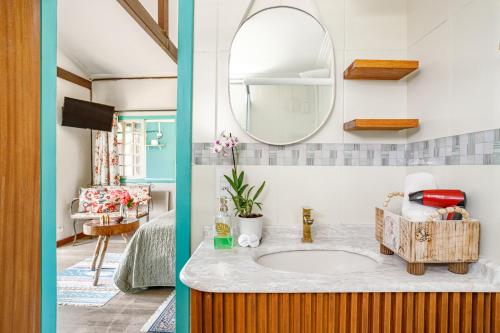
242	194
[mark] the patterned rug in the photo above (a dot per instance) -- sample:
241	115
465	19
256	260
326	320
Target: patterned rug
163	320
74	284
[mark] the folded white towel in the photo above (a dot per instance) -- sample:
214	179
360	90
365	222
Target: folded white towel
253	240
417	182
243	240
248	240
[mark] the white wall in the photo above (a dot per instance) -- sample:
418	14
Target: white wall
482	185
358	29
73	151
69	64
139	94
456	91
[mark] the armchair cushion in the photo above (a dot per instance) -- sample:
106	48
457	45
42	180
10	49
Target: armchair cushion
140	193
99	199
92	200
91	216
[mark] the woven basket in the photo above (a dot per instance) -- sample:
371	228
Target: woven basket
434	240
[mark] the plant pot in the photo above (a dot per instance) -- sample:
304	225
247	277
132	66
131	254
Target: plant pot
123	211
251	225
128	213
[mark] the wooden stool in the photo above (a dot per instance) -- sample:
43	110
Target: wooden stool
94	228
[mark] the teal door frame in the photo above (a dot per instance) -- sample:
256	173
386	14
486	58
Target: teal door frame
48	53
48	63
183	158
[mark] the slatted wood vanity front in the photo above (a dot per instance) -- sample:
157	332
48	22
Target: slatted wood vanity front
233	290
405	312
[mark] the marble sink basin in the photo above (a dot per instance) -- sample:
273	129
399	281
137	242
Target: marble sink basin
318	261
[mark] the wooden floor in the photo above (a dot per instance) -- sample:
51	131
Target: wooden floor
124	313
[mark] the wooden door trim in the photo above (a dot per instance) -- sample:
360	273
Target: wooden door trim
20	278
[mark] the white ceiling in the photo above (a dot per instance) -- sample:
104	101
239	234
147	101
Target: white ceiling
105	41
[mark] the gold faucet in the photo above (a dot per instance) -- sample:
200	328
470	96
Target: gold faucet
307	221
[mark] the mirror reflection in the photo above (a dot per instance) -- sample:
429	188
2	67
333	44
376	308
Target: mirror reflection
281	79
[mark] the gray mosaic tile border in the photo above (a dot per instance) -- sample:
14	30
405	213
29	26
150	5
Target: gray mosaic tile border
478	148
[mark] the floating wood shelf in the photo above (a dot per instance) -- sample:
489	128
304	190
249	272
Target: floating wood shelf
380	124
363	69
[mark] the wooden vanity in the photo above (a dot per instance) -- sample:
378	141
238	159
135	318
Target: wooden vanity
345	312
234	291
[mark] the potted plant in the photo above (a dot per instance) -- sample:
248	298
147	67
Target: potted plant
128	207
243	195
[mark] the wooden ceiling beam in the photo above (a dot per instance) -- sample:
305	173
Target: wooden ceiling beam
73	78
163	15
152	28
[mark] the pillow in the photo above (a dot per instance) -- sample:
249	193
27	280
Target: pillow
96	201
85	200
139	193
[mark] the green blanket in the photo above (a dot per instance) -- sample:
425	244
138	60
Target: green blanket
149	258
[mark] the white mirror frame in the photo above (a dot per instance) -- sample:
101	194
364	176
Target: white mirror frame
333	79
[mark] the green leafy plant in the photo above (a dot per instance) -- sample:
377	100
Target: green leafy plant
242	195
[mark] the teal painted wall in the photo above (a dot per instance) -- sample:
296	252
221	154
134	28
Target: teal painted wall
160	161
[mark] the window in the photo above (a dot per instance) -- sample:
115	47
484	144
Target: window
131	148
147	148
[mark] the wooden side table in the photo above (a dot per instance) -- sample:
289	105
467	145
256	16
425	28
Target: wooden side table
94	228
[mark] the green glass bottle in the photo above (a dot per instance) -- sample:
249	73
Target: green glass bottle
223	232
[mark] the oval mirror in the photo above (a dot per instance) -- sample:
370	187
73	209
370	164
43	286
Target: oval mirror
281	76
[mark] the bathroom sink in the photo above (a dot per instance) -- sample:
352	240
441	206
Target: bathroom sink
318	261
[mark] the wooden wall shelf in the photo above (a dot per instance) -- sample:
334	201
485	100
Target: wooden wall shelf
363	69
380	124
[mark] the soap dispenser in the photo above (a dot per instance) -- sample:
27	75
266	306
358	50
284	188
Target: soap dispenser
223	233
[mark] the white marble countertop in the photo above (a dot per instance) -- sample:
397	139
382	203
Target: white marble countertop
236	270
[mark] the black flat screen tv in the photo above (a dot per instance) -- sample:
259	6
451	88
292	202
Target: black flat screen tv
83	114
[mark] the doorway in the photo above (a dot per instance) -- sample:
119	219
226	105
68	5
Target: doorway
183	160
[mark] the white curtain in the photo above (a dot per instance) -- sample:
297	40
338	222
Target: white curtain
106	168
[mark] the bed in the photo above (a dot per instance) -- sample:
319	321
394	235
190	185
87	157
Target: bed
149	258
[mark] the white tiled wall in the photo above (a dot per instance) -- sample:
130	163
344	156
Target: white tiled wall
482	185
458	86
358	28
457	90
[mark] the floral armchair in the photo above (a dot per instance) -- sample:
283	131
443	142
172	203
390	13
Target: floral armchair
94	201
